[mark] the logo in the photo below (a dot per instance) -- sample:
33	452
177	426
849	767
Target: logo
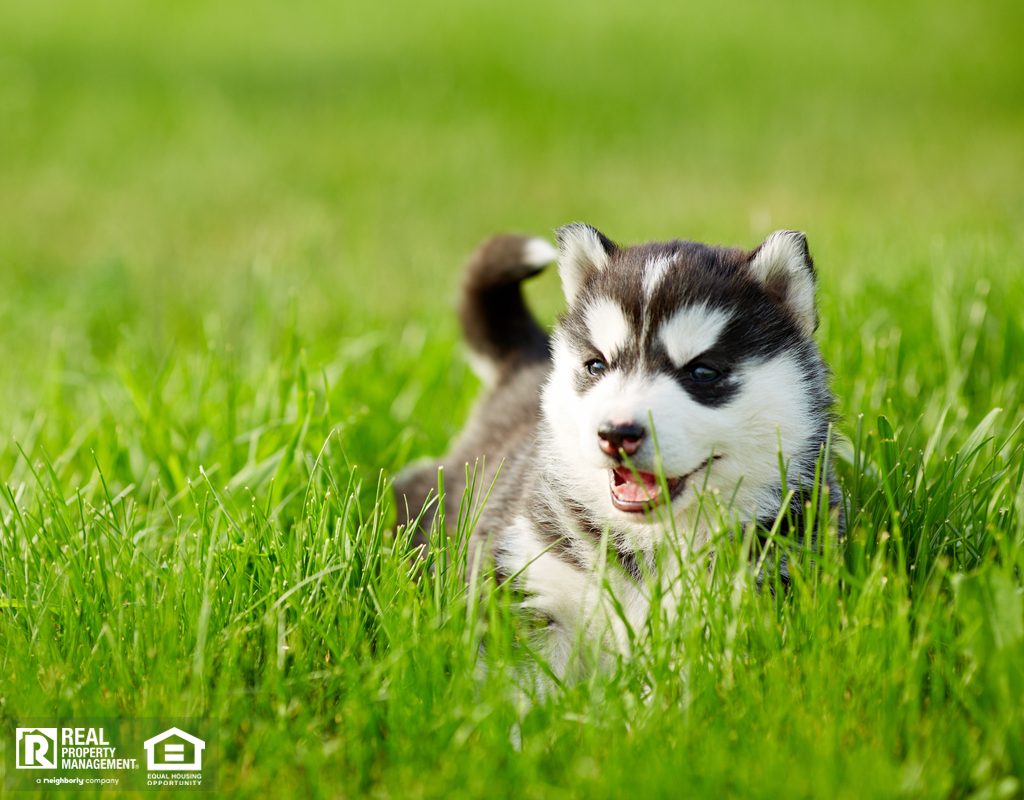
35	748
174	750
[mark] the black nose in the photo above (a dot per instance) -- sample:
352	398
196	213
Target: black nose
613	438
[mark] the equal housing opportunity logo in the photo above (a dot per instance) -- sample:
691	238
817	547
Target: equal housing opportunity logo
168	751
122	754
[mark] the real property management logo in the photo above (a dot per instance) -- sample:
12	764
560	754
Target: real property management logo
67	748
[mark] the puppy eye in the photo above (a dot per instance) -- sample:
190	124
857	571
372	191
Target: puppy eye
702	374
595	367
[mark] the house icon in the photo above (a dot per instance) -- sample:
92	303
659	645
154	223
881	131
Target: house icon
174	750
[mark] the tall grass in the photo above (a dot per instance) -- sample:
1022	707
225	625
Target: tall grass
279	600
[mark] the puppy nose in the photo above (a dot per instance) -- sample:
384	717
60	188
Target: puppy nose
613	438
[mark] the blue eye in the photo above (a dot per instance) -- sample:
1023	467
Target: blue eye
702	374
595	367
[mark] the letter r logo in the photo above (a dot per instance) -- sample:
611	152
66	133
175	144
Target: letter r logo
36	748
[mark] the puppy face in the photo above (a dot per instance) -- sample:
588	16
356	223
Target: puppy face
684	360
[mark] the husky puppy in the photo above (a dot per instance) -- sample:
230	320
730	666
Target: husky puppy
676	374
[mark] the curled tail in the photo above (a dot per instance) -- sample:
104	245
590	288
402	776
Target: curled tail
499	328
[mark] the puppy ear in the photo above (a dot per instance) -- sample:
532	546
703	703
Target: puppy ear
782	263
582	252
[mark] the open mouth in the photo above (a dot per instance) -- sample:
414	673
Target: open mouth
636	492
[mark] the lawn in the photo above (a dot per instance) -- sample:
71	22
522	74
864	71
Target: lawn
230	245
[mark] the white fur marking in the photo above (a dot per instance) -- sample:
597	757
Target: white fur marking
484	368
654	271
691	331
609	329
538	253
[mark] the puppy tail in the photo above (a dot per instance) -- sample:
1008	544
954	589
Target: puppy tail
499	328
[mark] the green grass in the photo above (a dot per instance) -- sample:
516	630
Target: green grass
231	238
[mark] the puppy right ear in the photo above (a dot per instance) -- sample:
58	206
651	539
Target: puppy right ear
783	265
583	251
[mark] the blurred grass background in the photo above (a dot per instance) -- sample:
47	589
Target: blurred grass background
165	161
222	220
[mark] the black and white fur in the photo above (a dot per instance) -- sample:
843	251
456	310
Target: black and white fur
713	345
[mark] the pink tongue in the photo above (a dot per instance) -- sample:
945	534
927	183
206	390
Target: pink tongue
629	490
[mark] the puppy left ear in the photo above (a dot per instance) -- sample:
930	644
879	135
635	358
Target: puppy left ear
583	251
783	265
